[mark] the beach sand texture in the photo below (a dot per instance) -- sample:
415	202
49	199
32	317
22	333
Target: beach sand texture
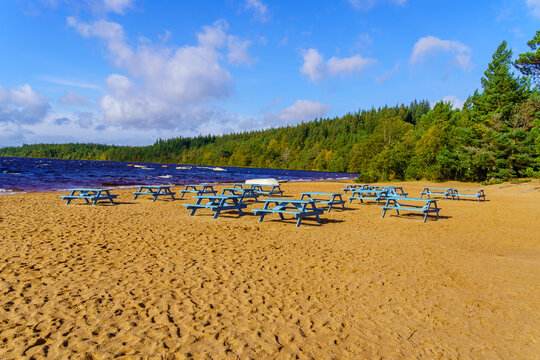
145	279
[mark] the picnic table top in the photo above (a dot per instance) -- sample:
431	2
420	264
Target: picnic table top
87	189
236	189
321	193
469	189
400	198
155	186
438	188
217	196
285	201
357	191
203	185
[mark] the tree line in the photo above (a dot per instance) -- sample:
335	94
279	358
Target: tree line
495	136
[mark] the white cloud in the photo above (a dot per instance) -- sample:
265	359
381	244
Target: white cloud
431	46
62	121
69	82
238	51
313	65
534	7
259	8
85	119
22	105
11	134
117	6
368	4
316	68
386	75
301	110
336	66
456	103
73	99
165	86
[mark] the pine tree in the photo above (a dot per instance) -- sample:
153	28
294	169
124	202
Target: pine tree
529	63
502	91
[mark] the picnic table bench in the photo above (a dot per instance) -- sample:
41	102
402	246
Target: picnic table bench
155	191
438	191
426	206
217	204
335	198
93	195
261	189
298	208
368	194
198	189
469	193
242	192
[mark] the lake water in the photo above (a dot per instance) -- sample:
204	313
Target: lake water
25	174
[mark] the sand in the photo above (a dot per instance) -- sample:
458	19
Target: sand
143	279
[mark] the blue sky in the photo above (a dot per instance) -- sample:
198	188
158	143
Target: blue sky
131	71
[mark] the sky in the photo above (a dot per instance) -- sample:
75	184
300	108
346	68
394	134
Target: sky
128	72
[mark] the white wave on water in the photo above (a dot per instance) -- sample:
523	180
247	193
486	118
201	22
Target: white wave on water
165	176
143	167
183	167
11	192
212	168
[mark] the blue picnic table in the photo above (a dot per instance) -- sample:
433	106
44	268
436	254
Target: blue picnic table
155	191
217	204
437	191
368	194
198	189
244	193
352	187
329	199
395	191
89	195
298	208
261	189
426	206
469	193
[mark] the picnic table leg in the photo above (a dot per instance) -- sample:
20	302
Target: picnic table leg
317	215
237	203
72	194
156	194
195	209
300	217
342	202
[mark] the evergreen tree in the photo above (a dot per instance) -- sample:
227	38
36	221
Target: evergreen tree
529	63
502	91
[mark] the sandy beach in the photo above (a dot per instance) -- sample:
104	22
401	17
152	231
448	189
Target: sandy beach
144	279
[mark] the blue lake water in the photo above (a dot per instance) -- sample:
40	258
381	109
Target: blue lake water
25	174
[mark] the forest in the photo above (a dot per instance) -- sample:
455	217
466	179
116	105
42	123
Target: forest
494	137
